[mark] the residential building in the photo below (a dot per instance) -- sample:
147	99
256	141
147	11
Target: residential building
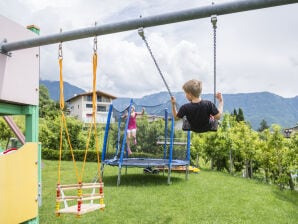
80	106
288	131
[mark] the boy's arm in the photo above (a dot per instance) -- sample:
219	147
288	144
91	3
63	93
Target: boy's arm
220	106
174	109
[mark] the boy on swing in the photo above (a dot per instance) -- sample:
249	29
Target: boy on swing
198	112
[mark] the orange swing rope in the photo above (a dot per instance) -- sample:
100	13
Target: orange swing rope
80	208
63	125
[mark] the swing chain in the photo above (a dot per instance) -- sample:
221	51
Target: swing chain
214	23
95	45
141	33
95	42
60	54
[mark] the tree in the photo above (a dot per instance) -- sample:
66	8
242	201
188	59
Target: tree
292	157
47	107
263	126
49	134
5	133
245	142
281	158
264	153
197	146
227	122
240	115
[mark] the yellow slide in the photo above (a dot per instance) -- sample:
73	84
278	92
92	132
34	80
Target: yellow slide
19	184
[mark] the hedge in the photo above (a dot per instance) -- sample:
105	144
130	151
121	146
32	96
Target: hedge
50	154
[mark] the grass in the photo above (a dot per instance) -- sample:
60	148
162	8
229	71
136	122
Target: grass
207	197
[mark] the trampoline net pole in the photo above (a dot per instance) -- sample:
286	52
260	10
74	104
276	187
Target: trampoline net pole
119	175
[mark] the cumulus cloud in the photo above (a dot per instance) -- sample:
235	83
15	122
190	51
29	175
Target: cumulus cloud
256	50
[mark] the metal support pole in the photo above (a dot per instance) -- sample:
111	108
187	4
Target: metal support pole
174	17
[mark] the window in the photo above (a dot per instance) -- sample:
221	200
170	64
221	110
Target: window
105	99
89	98
101	108
88	105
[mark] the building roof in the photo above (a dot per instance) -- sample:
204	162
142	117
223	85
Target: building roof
292	128
90	94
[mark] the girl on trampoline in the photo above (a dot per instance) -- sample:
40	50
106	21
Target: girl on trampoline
200	113
132	127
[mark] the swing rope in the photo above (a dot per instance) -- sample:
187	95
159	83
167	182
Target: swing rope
80	208
186	125
142	34
63	120
94	109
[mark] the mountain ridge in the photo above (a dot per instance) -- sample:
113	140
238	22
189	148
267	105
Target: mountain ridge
257	106
53	87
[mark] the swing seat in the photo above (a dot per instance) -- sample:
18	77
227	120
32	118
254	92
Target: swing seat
84	202
85	208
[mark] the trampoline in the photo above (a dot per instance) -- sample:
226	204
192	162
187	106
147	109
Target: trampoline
121	158
145	162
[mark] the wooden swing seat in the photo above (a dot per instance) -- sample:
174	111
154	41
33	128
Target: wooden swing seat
85	206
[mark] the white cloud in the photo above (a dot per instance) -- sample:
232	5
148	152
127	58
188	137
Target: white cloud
256	50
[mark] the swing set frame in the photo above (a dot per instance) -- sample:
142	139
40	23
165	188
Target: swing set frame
31	110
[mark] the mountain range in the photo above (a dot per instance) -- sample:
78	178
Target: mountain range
256	107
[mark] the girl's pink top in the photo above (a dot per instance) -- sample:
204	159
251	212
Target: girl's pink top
132	124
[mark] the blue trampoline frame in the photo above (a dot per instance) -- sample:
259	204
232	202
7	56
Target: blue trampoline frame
143	162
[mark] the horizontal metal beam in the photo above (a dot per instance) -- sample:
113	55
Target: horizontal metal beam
174	17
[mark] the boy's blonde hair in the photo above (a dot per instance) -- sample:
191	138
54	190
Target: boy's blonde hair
193	87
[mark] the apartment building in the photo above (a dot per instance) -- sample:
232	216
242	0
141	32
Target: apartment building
80	106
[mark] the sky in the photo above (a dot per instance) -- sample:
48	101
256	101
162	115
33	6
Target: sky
256	51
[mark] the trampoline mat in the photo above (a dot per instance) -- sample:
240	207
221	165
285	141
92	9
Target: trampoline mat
145	162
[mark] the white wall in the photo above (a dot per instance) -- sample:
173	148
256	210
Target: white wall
19	73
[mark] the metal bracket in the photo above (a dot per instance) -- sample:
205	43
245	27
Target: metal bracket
214	21
141	32
2	51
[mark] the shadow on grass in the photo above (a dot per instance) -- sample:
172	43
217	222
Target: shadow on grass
140	180
287	195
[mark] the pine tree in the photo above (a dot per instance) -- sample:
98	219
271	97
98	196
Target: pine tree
240	115
263	126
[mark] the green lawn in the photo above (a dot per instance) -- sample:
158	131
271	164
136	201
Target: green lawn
207	197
